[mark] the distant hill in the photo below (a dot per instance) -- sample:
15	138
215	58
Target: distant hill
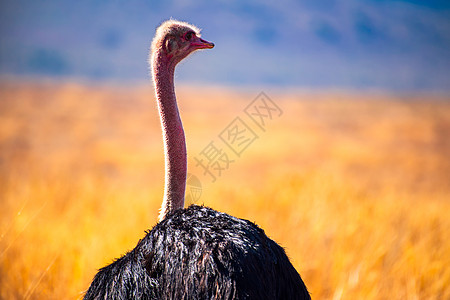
395	45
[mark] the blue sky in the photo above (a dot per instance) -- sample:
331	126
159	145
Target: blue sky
349	44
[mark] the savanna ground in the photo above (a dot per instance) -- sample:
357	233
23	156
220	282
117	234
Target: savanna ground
356	187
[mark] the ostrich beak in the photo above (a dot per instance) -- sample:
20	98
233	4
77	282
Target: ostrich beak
199	43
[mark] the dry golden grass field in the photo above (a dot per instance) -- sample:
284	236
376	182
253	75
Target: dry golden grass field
356	187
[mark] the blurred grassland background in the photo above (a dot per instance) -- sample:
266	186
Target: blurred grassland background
355	186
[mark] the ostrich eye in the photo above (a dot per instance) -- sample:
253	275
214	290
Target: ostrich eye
188	35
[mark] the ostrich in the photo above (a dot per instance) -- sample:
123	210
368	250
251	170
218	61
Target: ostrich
194	252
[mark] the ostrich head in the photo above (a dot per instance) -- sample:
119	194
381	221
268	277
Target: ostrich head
174	40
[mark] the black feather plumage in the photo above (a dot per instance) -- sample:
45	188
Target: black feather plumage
200	253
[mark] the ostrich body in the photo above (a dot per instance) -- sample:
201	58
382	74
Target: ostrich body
197	252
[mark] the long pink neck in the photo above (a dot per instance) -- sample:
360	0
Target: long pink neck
173	135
